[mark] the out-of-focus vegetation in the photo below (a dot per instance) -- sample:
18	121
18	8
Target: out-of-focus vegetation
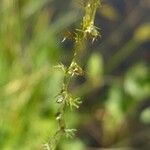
115	89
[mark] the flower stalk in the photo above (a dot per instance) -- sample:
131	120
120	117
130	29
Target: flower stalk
65	99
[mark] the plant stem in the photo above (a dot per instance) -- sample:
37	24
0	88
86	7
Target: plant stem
65	98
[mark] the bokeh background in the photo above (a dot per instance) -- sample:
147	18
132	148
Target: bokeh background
115	90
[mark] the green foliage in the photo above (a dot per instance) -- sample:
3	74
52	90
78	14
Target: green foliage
113	86
137	82
145	116
95	69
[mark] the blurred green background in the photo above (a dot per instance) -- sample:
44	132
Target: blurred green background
115	89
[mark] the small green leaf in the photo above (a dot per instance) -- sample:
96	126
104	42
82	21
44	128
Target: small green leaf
95	68
137	82
145	116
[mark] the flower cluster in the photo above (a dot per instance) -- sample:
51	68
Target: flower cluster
65	97
88	27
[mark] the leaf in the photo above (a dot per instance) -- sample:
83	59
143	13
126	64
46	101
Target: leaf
137	82
145	116
95	68
142	33
109	12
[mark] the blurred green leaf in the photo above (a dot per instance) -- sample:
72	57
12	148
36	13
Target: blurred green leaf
73	145
114	104
33	6
137	82
145	116
95	68
109	12
142	33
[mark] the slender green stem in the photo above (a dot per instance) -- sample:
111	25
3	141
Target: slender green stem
65	98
